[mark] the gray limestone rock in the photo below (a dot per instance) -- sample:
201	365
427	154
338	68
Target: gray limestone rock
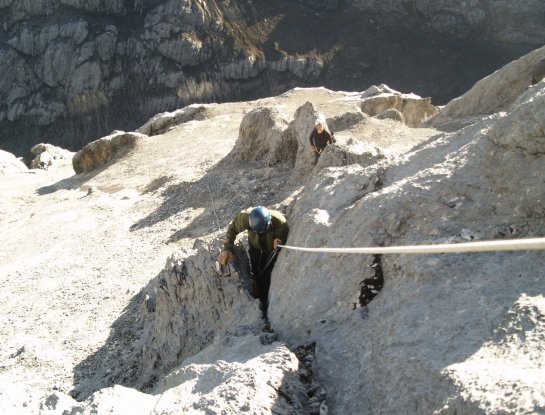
471	18
236	375
523	128
193	305
187	50
439	320
261	137
106	43
102	151
147	56
414	109
539	71
232	375
97	6
300	128
391	114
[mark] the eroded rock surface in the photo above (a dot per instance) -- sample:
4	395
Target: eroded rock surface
105	149
426	329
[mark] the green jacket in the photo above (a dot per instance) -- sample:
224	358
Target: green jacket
264	242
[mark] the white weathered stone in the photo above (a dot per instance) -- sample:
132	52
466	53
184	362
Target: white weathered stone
524	127
192	306
10	164
45	155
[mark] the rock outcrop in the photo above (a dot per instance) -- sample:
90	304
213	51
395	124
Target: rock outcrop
346	333
496	92
188	307
104	150
408	108
199	343
46	155
261	138
162	122
433	338
539	71
10	164
233	375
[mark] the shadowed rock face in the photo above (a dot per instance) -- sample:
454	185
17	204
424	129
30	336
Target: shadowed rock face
439	320
73	71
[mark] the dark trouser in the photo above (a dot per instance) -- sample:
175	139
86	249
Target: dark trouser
261	275
317	155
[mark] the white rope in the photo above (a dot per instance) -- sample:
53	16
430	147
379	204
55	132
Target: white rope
479	246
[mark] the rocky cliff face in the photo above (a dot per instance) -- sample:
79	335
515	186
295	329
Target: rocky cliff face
92	310
496	20
73	71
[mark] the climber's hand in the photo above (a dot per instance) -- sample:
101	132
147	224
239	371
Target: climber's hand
224	257
277	242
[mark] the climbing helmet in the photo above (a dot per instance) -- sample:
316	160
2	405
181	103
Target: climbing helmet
260	219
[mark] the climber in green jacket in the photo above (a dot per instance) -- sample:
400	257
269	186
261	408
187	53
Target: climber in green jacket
266	230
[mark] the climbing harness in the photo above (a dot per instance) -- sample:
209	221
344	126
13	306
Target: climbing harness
268	262
478	246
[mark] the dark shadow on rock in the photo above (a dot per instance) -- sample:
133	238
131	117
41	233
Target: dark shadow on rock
125	357
72	182
114	362
221	193
121	359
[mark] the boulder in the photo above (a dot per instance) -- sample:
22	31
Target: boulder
46	155
523	128
11	164
261	137
415	110
391	114
161	122
235	375
104	150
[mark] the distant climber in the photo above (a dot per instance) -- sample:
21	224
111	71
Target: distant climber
539	72
266	230
319	139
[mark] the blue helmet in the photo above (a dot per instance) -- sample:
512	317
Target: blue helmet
260	219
